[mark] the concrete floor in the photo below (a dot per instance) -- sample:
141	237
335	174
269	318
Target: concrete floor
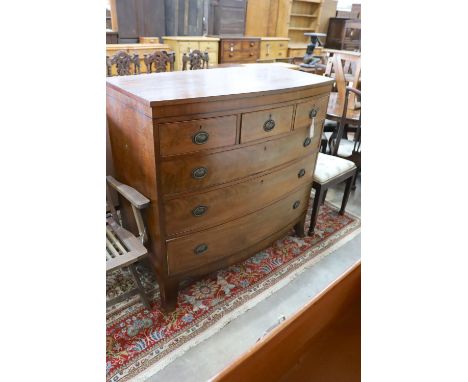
208	358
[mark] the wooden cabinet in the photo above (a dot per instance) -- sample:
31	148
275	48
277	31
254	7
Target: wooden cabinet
135	18
140	49
239	49
225	155
344	34
304	16
267	18
226	17
273	47
185	44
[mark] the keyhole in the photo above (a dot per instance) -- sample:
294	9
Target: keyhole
264	148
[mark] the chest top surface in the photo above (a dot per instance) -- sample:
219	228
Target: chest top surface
212	84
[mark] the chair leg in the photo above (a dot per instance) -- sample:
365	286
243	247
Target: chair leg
141	290
353	187
347	190
315	209
324	196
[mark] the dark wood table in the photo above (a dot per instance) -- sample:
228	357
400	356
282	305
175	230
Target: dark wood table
335	109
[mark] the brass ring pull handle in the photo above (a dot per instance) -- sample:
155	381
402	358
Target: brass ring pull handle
269	124
200	138
199	172
296	204
301	173
199	210
307	141
313	113
200	249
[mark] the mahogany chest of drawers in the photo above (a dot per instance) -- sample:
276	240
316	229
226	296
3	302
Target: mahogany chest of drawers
225	155
239	49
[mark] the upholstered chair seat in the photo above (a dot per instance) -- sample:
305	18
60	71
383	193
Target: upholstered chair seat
330	167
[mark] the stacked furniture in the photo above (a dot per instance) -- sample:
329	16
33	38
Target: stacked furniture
135	18
344	34
239	49
132	49
226	157
187	44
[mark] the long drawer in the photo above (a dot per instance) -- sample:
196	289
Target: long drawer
201	248
195	135
211	208
198	171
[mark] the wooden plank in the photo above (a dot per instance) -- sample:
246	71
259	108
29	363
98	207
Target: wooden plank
277	354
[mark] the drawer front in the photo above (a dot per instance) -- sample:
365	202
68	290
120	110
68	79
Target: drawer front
200	134
149	40
265	123
250	45
212	58
198	171
188	46
273	49
317	105
231	45
211	46
211	208
201	248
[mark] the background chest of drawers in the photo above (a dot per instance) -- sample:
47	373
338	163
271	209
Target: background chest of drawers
227	165
185	44
273	47
239	49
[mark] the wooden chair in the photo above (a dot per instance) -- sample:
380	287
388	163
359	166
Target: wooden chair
340	145
123	63
123	249
329	171
197	60
160	60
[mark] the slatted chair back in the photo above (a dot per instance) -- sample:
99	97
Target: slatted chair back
335	142
196	59
346	69
159	60
124	63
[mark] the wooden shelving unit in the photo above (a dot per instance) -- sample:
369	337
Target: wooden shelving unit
304	17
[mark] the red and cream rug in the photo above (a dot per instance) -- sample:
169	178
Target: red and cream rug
140	342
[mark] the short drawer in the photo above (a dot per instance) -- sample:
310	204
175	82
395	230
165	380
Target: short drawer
315	107
211	46
250	45
198	249
200	170
231	45
265	123
211	208
187	47
200	134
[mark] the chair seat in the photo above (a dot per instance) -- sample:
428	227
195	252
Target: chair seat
346	146
122	247
330	167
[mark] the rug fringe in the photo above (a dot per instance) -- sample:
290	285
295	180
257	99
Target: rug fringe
161	364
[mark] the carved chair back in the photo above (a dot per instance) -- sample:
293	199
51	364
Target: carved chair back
197	60
124	63
159	60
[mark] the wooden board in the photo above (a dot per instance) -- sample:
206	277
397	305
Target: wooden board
315	344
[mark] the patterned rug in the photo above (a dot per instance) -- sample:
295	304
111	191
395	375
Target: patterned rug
140	342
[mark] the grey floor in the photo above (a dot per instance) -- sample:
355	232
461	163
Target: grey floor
208	358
